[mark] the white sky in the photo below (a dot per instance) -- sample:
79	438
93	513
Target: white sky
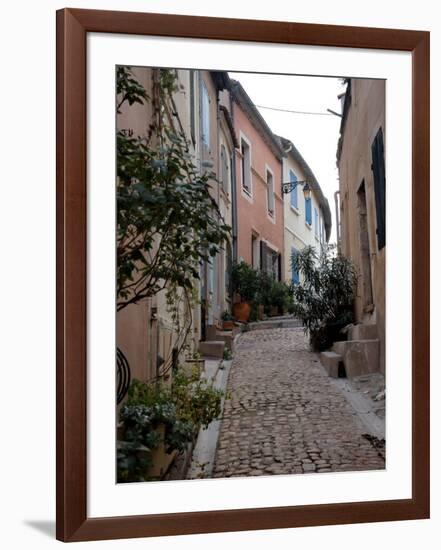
315	136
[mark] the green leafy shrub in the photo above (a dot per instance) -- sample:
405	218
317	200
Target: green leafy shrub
274	293
245	281
181	408
324	300
227	316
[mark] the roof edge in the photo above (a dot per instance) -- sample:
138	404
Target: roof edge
244	101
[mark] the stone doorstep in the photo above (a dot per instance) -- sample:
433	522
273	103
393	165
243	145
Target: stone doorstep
359	356
330	361
225	336
212	348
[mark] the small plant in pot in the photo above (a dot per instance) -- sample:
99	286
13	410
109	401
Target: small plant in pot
227	321
245	283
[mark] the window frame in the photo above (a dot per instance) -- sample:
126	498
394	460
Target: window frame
247	192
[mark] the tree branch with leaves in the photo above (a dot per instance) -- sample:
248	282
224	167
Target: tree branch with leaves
167	221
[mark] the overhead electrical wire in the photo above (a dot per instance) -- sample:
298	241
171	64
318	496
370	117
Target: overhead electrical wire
295	112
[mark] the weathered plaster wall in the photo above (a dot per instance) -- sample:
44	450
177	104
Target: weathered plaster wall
366	115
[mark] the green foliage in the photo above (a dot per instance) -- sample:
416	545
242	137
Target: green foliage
324	300
265	283
280	294
167	222
259	287
226	316
181	408
273	293
128	88
254	312
245	281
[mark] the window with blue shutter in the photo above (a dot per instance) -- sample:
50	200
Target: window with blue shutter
294	198
308	211
295	275
316	222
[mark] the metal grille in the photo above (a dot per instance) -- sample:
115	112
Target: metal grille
122	376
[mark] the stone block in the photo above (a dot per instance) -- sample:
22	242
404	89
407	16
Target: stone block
225	336
362	332
212	348
359	356
330	361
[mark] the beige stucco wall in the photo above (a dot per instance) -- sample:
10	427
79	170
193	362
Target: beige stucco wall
366	115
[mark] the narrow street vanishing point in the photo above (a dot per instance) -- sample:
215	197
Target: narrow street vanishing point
284	415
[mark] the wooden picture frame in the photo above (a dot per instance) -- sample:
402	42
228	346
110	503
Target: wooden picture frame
72	28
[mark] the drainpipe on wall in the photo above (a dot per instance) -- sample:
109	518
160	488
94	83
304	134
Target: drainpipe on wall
233	188
218	169
337	219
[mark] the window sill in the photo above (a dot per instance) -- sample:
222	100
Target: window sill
308	225
295	210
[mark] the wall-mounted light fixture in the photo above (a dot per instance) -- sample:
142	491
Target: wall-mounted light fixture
288	186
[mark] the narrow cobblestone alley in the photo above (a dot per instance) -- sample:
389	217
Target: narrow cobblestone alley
283	415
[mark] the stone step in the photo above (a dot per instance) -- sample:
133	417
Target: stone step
225	336
290	322
331	362
363	332
212	348
359	356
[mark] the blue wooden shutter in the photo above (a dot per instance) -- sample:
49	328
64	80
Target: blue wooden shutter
292	179
295	275
308	211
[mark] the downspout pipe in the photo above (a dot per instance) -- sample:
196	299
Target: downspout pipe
233	188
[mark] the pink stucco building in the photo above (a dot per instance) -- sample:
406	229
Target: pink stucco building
259	200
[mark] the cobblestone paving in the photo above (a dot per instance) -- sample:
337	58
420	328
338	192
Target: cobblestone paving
284	416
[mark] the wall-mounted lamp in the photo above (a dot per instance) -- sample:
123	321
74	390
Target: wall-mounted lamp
288	186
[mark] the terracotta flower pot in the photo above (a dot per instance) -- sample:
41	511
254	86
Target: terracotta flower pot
242	311
227	325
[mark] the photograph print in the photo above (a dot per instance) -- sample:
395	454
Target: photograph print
250	280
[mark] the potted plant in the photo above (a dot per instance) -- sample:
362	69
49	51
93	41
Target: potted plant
227	321
160	421
324	300
245	283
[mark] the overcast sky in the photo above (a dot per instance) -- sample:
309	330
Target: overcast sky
315	136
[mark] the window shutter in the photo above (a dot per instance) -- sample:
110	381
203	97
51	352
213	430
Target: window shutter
379	173
263	256
293	179
294	272
279	267
308	212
